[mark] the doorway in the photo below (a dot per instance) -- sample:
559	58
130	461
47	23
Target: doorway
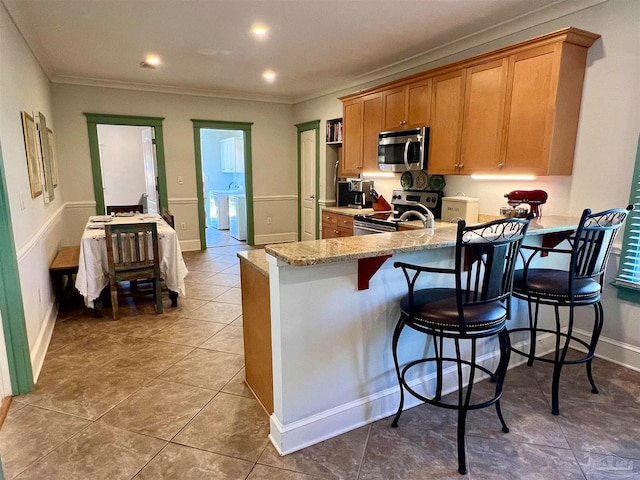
223	186
150	166
128	165
308	180
223	170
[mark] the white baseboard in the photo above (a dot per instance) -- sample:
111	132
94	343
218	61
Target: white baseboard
336	421
41	345
613	350
189	245
275	238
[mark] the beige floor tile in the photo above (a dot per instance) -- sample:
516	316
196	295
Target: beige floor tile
87	393
149	357
29	433
159	409
229	425
205	291
98	452
189	332
237	386
336	458
216	312
140	326
237	322
233	295
263	472
205	369
187	304
224	279
227	340
197	276
180	462
235	270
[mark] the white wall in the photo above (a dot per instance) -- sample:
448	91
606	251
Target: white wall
273	150
122	162
607	134
37	226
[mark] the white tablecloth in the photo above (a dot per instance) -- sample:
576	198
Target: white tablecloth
93	268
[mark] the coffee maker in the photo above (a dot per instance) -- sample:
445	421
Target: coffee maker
351	192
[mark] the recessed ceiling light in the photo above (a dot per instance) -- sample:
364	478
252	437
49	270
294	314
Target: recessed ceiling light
269	75
207	51
259	30
151	61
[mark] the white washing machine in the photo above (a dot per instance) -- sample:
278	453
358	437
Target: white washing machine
221	204
238	216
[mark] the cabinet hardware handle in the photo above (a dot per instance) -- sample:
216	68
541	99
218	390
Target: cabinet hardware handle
461	165
500	165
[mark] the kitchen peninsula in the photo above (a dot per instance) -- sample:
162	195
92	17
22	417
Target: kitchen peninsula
330	342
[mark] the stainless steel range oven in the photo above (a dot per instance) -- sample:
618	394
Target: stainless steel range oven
403	201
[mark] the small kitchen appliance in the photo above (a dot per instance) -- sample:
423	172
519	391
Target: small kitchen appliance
361	190
403	150
533	198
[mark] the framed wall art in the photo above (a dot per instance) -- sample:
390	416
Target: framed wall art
45	155
52	154
31	149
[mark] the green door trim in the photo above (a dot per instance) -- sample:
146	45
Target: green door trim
95	119
245	127
303	127
11	307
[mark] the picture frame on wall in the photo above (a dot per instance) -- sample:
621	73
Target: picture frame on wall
54	159
45	156
31	150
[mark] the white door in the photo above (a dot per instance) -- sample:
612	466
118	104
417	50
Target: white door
308	185
149	159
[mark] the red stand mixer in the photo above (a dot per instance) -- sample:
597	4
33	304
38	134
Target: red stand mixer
533	198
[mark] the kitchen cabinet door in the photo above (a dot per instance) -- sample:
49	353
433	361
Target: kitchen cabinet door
393	106
447	109
351	163
531	99
371	128
483	124
418	103
407	106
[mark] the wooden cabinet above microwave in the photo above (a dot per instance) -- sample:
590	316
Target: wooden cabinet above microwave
512	110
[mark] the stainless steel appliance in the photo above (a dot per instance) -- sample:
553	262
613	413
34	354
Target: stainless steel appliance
355	193
404	202
403	150
533	198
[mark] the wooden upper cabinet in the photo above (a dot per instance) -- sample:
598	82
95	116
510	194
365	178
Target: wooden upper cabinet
483	124
371	127
533	81
512	110
362	122
447	108
351	162
406	106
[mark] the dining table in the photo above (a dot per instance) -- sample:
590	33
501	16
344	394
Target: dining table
93	265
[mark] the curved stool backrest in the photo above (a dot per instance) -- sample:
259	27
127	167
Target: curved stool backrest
486	257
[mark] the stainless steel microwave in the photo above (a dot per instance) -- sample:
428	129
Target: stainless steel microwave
403	150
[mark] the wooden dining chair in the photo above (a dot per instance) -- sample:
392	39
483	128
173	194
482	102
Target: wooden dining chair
168	217
132	253
124	209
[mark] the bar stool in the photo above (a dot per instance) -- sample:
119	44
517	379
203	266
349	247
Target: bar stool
477	308
579	285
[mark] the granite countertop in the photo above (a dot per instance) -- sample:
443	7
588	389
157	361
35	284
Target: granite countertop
351	248
348	211
256	258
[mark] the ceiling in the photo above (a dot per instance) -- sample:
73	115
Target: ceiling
206	47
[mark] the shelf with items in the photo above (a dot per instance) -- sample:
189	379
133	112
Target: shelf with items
334	131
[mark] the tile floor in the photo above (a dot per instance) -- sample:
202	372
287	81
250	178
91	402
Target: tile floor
162	397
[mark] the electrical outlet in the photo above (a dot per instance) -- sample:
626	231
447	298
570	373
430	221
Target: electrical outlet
268	220
183	225
39	296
